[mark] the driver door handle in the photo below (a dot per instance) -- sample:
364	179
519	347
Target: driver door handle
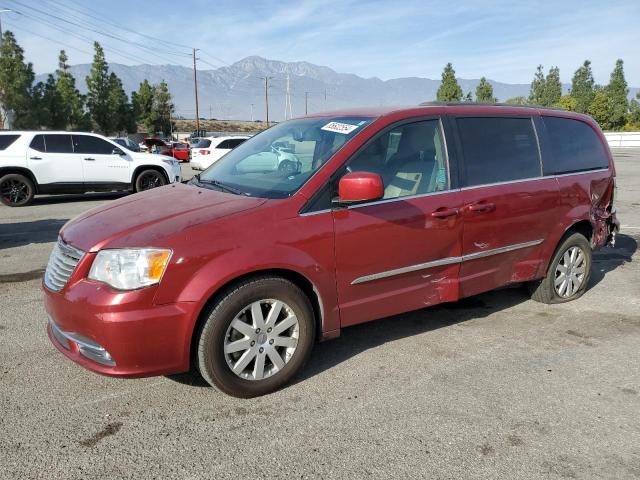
481	207
35	158
444	212
89	159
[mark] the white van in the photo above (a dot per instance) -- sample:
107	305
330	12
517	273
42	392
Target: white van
40	162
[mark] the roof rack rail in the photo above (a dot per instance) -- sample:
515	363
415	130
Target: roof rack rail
480	104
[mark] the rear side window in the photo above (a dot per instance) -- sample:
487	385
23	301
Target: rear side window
498	149
574	145
58	143
89	144
225	144
233	143
6	140
38	143
204	143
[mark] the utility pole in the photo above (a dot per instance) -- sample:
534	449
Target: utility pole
288	111
210	114
266	97
252	112
195	86
306	103
3	10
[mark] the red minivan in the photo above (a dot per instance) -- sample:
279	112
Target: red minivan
240	271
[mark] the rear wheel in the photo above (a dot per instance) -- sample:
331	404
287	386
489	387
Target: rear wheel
148	179
257	337
568	274
16	190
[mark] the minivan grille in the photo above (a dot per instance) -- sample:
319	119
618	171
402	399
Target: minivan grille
62	263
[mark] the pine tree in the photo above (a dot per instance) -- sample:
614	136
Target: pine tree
582	87
618	92
143	106
552	88
537	92
164	107
98	86
449	90
16	80
72	102
567	102
121	112
48	105
516	101
484	92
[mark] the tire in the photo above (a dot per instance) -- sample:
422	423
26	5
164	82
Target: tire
16	190
218	335
546	290
148	179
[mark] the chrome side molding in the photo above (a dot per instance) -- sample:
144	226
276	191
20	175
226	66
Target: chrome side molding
445	261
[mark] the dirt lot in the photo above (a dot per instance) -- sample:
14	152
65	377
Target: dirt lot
496	386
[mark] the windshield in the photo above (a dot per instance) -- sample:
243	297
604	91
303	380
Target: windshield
278	161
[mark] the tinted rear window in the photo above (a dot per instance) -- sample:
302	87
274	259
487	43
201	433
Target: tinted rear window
6	140
233	143
89	144
498	149
58	143
574	145
38	143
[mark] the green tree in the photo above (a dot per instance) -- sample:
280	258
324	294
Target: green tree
537	91
552	87
601	109
484	92
143	106
516	101
567	102
618	92
99	89
120	111
634	113
582	87
164	107
72	102
449	90
468	97
48	105
16	80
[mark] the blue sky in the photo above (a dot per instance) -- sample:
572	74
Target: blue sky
502	40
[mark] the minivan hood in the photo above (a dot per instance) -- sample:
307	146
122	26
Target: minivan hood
145	219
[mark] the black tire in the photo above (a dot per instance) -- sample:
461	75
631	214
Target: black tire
544	290
16	190
210	356
148	179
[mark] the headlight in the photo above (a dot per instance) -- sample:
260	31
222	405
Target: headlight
128	269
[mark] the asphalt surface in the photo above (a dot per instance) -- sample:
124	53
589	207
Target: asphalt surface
495	386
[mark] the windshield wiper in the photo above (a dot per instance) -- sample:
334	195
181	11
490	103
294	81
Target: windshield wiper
220	185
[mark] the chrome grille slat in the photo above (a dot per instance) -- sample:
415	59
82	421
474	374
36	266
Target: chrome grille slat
62	263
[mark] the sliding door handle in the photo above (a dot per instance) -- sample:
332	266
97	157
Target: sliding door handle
444	212
89	159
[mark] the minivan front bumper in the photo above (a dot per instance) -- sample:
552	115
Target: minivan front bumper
120	334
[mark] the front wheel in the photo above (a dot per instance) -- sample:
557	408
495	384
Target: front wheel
256	337
16	190
568	274
149	179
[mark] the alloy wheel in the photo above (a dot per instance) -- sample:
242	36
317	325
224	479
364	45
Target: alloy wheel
261	339
570	272
14	191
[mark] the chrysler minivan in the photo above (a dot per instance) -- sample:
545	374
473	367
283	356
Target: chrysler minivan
239	272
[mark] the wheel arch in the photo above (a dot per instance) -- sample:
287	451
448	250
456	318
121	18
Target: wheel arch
302	282
21	171
138	170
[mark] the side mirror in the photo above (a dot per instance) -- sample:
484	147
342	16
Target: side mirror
360	187
117	151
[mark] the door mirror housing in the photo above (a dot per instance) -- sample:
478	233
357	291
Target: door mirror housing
360	187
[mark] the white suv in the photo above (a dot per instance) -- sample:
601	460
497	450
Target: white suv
211	149
72	162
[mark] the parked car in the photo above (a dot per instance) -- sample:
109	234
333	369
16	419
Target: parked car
240	272
177	150
211	149
39	162
127	143
154	145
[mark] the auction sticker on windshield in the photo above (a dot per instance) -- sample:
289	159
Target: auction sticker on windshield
338	127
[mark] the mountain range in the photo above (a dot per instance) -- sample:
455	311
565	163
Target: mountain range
236	92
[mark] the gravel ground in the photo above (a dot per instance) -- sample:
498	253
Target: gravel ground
495	386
